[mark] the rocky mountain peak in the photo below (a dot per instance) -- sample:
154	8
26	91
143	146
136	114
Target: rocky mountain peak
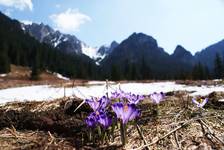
180	51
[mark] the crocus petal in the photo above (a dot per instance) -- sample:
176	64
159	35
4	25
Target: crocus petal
157	97
91	120
134	99
195	101
204	102
135	114
93	103
126	112
104	119
104	102
118	109
130	113
200	104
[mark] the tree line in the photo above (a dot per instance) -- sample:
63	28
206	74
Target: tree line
19	48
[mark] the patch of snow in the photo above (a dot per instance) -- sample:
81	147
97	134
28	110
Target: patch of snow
3	75
89	51
61	76
99	82
97	89
36	93
56	43
23	28
217	80
97	63
65	39
221	100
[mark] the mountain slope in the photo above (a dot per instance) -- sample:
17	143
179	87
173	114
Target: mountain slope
182	55
64	42
19	48
140	54
207	55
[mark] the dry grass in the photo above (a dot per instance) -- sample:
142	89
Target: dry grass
46	125
20	76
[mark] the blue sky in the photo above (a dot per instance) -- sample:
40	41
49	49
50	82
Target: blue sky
194	24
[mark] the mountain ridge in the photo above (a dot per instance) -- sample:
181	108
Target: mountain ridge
71	44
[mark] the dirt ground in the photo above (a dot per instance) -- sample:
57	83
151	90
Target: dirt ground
20	76
54	125
50	125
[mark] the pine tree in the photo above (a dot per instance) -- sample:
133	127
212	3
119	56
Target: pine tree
35	66
4	59
134	73
115	73
207	72
218	68
198	72
145	70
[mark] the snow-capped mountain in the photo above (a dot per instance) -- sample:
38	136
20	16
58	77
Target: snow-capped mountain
106	50
64	42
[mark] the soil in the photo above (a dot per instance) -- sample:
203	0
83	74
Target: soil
54	125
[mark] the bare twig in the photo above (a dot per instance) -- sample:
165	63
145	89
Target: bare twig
13	131
83	102
142	136
177	141
211	132
166	135
177	115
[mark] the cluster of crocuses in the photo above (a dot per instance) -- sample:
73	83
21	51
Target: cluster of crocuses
100	112
124	106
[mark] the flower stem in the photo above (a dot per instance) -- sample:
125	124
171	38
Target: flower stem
123	134
112	131
99	131
90	135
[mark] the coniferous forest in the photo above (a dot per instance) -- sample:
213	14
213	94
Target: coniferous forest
19	48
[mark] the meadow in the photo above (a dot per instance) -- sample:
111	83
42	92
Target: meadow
67	114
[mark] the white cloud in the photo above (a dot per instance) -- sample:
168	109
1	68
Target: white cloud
69	21
18	4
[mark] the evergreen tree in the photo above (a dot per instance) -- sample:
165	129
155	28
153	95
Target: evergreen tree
145	70
207	73
115	73
4	59
218	68
134	73
35	65
198	72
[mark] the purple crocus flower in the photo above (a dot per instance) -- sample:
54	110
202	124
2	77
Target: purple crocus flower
125	112
118	95
91	120
157	97
104	119
93	103
104	102
200	102
96	104
131	98
134	99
